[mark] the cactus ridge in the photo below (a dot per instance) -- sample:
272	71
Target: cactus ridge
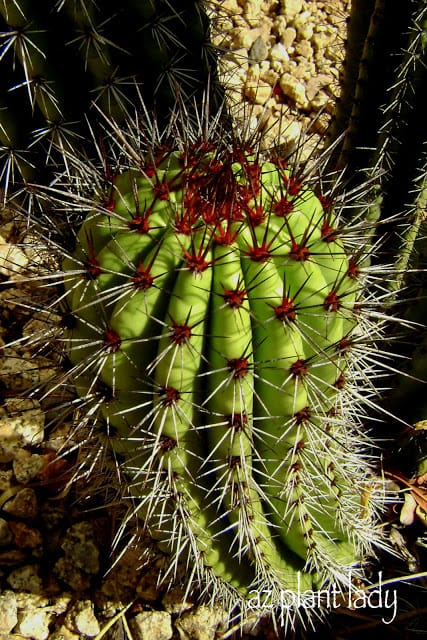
218	330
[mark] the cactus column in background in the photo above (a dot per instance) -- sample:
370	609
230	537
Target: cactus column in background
383	111
59	58
382	114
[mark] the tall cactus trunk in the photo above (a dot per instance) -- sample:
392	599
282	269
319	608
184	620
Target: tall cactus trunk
382	115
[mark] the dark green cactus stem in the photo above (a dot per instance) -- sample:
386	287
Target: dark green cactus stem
417	216
401	151
379	33
383	115
57	59
361	26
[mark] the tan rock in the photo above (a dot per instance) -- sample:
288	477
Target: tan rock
12	259
25	578
84	619
289	37
291	8
21	422
27	465
294	90
201	623
304	24
151	625
23	504
8	611
34	624
258	92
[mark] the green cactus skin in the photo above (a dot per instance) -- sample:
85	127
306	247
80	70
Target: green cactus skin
216	316
58	59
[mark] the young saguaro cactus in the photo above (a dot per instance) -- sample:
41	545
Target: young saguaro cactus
217	318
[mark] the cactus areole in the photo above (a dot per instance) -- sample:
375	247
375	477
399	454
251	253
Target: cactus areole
214	307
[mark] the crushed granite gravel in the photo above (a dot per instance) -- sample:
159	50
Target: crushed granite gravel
282	64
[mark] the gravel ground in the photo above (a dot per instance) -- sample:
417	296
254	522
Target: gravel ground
281	63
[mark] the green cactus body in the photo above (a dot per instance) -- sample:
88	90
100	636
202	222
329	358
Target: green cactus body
214	305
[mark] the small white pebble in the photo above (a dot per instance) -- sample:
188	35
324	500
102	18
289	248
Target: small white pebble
304	25
85	620
288	38
152	625
258	92
278	53
34	624
8	612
